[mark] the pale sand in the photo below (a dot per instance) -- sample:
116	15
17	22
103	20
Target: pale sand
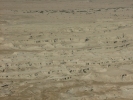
66	50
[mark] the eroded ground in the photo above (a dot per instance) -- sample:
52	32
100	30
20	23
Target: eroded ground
66	49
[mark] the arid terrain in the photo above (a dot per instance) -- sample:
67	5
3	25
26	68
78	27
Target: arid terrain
66	49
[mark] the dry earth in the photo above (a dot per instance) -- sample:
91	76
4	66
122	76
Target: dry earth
66	49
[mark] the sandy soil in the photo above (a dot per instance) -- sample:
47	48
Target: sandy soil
66	49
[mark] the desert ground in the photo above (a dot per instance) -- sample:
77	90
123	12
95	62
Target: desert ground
66	49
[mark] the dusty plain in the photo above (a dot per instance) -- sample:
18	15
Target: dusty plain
66	49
